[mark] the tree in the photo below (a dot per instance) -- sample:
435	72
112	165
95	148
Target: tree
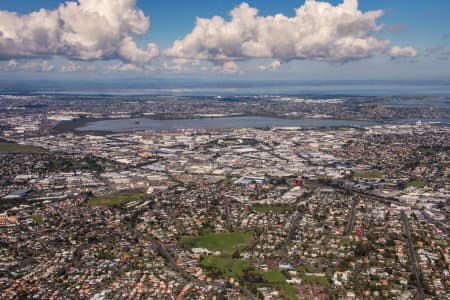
363	249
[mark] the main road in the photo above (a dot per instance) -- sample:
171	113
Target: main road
351	218
412	254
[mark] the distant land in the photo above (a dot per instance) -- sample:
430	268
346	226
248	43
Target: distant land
227	87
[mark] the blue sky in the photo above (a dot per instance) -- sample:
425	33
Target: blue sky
422	25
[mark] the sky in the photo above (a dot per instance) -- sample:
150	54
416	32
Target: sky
265	39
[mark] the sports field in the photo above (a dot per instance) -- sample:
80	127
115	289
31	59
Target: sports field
12	148
278	280
114	200
225	242
226	266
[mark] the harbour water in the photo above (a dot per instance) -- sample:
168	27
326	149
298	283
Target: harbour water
136	124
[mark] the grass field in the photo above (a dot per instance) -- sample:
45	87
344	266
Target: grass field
302	269
274	277
226	242
427	151
323	281
114	200
417	183
273	208
370	174
278	280
310	279
11	148
226	265
38	219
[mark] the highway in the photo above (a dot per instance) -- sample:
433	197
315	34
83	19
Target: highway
323	183
415	267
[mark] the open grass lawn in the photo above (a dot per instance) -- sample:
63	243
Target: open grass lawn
278	280
114	200
87	164
274	277
311	279
427	151
226	242
370	174
12	148
273	208
226	266
288	290
417	183
38	219
322	281
302	269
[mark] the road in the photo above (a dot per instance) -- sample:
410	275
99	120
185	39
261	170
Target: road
368	195
227	209
351	218
412	254
294	225
323	183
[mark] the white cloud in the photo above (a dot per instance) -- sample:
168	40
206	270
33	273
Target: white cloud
130	52
318	31
70	67
228	67
83	30
78	66
127	67
183	62
28	66
402	52
172	67
180	64
12	64
124	67
275	65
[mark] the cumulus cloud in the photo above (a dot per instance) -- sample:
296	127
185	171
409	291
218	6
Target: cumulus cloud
83	30
28	66
124	67
318	31
180	64
127	68
70	67
397	52
78	67
275	65
230	67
